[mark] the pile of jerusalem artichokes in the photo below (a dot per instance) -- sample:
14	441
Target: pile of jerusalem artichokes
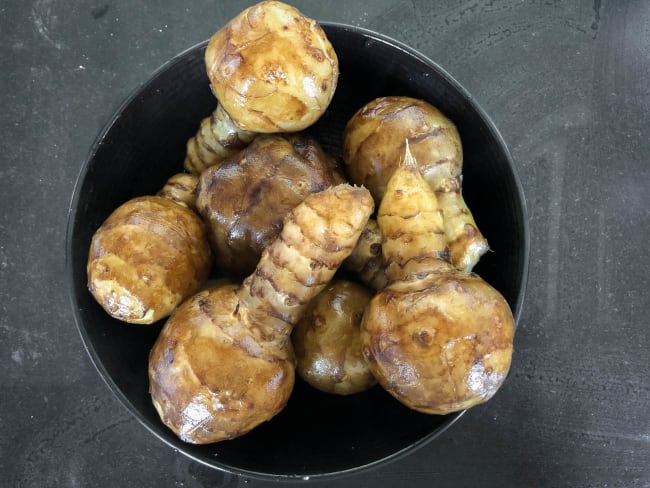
350	274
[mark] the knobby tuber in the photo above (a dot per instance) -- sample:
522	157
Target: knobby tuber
373	142
244	198
438	339
366	259
217	138
272	69
224	362
150	254
327	343
181	188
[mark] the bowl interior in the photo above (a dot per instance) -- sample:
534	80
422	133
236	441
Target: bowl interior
144	143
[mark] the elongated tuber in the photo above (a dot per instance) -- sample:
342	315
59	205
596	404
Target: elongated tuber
327	343
223	362
150	254
244	199
373	142
217	139
272	70
181	188
438	339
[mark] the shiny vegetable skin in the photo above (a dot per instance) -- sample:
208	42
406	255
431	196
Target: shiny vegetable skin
272	68
224	362
373	142
149	255
438	339
181	188
211	377
218	138
244	199
366	259
327	343
374	138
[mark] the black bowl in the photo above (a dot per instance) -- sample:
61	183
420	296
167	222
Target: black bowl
317	435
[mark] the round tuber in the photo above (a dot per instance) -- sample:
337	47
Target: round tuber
272	70
244	198
150	254
327	343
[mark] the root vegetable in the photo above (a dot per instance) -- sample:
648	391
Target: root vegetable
272	70
373	142
326	340
218	138
366	259
181	188
150	254
244	199
223	362
438	339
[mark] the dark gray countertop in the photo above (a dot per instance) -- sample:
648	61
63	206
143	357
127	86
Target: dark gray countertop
566	84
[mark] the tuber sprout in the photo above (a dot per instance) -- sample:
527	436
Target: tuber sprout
438	339
373	142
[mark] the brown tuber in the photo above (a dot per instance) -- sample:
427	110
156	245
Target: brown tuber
224	362
438	339
366	259
327	343
150	254
244	198
373	142
272	70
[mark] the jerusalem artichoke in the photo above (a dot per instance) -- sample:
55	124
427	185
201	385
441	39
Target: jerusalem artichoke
326	340
272	70
150	254
438	339
244	199
366	259
373	141
223	362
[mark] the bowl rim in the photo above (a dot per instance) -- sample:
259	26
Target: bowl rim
115	389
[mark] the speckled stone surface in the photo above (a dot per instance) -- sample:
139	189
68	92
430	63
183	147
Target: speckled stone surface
567	85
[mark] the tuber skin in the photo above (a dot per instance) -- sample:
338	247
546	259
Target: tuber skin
224	362
244	199
150	254
373	141
327	343
217	139
272	70
438	339
181	189
366	259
